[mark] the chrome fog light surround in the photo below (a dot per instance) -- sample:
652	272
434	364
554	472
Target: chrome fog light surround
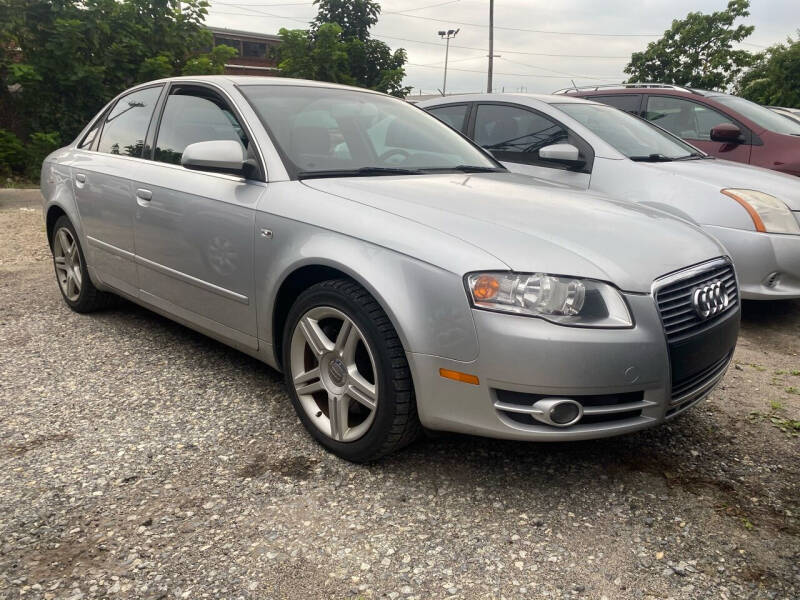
558	412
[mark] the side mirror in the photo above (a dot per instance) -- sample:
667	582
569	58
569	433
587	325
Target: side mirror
563	154
726	132
220	156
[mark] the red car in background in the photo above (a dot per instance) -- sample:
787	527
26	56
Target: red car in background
722	125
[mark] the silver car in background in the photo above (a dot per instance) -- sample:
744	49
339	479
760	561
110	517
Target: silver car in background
397	274
586	145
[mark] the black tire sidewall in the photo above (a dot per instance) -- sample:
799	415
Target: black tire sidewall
364	448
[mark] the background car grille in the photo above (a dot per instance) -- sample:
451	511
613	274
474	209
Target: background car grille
675	302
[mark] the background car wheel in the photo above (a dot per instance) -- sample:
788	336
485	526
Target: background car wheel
70	265
347	374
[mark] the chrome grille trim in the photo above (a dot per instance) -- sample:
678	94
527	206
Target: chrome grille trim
673	297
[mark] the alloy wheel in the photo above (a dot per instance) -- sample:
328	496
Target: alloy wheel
67	259
333	372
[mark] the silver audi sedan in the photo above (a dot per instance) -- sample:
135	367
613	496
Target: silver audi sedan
395	272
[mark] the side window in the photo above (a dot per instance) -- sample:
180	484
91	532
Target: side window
126	125
91	136
192	116
685	119
453	115
628	102
516	134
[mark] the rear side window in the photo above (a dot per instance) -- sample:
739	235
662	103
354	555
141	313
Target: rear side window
516	134
630	103
192	116
454	115
125	127
688	120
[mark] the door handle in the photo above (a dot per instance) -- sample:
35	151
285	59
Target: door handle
80	179
143	194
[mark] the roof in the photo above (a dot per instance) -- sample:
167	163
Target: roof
511	97
245	80
250	34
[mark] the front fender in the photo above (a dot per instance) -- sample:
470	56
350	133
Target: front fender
427	305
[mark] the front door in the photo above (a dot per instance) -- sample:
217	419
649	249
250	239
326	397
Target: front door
194	230
109	153
693	122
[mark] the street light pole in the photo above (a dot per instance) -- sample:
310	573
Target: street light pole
446	35
491	46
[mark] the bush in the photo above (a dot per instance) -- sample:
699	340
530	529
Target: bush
18	159
13	157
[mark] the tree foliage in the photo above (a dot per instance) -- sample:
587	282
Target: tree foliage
69	57
697	51
774	79
338	48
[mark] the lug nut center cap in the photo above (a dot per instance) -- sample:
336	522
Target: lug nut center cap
338	372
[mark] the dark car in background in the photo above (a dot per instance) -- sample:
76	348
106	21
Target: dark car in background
722	125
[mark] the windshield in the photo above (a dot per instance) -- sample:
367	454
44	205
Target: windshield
633	137
324	131
760	115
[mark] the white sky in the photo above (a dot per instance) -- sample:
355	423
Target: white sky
524	61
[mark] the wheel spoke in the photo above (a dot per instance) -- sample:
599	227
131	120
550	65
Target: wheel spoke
362	391
61	264
71	287
346	345
76	275
63	240
343	335
308	382
315	337
338	409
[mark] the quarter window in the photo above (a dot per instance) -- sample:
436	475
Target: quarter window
453	115
628	102
515	134
126	125
192	116
688	120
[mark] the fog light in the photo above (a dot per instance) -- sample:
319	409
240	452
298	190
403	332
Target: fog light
564	413
560	412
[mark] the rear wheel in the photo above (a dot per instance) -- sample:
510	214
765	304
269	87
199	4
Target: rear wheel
76	287
347	373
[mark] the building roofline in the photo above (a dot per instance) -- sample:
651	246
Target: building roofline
250	34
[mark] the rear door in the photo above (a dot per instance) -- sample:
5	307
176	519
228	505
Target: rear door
514	134
107	156
693	121
195	230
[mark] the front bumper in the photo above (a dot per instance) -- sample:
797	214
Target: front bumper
767	264
622	377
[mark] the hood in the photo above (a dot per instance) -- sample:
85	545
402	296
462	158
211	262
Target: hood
723	174
531	226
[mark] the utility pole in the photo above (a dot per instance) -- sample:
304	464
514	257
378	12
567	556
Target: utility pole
491	46
446	35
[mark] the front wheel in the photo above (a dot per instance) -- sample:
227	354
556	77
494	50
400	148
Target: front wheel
347	373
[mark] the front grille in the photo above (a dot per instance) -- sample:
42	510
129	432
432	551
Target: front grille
674	299
597	408
699	383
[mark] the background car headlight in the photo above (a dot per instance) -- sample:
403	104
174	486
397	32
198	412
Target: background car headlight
562	300
768	213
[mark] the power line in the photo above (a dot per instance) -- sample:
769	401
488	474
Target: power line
422	7
515	74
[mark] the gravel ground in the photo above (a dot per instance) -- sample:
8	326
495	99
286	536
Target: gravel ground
139	459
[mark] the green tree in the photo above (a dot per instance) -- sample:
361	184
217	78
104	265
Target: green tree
697	51
72	56
349	55
774	79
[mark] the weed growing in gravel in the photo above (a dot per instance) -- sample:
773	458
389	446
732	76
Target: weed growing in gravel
758	367
790	427
775	405
792	390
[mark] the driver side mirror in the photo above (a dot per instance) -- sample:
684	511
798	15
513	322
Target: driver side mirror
562	154
219	156
726	132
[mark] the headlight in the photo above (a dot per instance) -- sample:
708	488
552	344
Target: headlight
562	300
768	213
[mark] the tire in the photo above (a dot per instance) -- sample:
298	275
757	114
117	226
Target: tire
364	365
72	277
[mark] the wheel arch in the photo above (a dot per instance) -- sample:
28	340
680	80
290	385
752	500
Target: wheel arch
301	277
54	212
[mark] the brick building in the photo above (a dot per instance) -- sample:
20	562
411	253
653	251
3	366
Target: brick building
257	51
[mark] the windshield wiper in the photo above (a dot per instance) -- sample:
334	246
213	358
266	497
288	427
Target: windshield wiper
652	158
692	156
362	172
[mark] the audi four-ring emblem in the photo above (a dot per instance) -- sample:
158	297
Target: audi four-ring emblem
710	299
